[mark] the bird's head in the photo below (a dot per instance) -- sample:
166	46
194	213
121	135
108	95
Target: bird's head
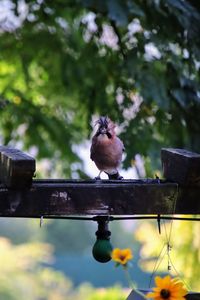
105	127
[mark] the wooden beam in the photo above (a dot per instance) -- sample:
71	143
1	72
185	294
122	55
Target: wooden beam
22	197
16	168
106	197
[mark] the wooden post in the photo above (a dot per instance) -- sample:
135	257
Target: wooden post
16	168
181	166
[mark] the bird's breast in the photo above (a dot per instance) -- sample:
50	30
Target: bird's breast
107	152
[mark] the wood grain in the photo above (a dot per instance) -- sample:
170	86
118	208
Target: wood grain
80	197
16	168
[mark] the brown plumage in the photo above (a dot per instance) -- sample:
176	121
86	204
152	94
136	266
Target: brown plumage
106	149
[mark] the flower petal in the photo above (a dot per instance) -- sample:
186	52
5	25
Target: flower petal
151	295
179	293
168	288
158	281
177	298
122	256
166	282
156	289
128	253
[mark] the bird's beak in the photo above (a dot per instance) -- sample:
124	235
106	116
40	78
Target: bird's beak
103	130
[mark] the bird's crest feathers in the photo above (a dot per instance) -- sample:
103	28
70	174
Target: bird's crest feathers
104	121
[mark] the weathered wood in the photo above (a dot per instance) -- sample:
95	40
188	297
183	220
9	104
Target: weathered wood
16	168
181	166
18	198
79	197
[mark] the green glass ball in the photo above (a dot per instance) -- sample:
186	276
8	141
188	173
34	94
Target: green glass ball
102	250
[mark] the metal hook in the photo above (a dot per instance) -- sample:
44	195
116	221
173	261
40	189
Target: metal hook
158	218
41	221
169	248
157	177
158	221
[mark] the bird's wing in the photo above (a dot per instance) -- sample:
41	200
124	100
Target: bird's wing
122	144
92	149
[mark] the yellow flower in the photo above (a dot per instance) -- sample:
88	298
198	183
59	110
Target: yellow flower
168	288
121	256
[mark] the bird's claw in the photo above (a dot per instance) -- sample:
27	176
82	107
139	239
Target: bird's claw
115	176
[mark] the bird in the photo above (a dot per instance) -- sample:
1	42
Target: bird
106	149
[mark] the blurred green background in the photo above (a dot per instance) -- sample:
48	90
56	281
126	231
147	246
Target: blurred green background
62	64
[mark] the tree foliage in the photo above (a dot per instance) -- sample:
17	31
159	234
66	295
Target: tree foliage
63	62
24	275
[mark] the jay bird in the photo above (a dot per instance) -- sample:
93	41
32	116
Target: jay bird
106	149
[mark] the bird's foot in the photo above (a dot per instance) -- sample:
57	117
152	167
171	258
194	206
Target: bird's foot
115	176
98	177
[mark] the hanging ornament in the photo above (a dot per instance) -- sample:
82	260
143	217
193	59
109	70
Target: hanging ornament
102	248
